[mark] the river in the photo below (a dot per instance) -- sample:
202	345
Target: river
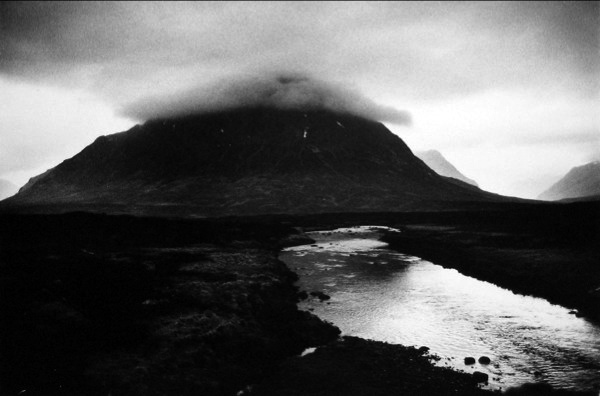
380	294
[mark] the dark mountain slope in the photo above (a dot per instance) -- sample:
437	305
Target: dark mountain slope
248	161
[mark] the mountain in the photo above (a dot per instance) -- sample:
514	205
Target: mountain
581	181
436	161
7	189
247	161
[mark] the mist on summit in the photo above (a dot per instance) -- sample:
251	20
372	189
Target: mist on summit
285	91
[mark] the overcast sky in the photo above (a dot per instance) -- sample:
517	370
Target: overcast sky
509	92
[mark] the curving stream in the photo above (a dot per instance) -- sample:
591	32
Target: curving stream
384	295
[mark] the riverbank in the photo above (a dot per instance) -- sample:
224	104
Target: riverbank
97	305
353	366
356	367
544	250
100	305
377	293
549	252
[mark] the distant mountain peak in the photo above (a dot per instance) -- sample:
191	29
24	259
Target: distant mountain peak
7	189
436	161
581	181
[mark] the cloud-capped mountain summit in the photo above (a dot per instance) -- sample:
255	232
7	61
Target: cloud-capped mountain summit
247	161
436	161
581	181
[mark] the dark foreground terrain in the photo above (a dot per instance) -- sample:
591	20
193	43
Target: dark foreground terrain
97	304
117	305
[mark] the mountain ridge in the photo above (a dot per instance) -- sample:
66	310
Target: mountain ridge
7	189
580	182
436	161
249	161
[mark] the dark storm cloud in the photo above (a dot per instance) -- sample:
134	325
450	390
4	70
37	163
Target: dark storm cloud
283	91
41	37
422	50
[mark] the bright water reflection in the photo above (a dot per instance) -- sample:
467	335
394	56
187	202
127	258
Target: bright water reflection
384	295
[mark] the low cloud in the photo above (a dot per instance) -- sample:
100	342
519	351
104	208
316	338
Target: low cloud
288	91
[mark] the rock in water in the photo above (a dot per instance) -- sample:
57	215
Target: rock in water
424	349
484	360
478	377
320	295
469	360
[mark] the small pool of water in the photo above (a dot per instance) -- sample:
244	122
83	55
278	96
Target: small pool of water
384	295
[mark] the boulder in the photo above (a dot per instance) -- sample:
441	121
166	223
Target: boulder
484	360
320	295
469	360
303	295
478	376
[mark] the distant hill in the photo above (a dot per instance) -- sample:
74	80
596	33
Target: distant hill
7	189
247	161
580	182
436	161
